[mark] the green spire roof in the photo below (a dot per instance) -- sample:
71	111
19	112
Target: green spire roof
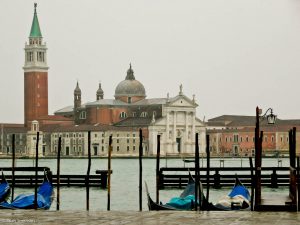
35	27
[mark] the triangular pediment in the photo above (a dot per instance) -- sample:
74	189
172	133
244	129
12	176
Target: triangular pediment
182	101
163	121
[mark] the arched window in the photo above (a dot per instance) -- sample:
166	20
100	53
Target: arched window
144	114
82	115
123	115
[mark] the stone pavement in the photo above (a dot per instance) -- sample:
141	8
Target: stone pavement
145	218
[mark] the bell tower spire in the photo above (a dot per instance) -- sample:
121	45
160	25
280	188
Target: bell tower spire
35	74
35	27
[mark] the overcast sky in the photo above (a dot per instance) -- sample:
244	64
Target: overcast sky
232	54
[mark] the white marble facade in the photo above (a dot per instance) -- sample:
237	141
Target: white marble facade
177	128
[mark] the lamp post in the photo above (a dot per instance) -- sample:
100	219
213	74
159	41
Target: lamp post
271	118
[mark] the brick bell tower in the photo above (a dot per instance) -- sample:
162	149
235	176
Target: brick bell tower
35	75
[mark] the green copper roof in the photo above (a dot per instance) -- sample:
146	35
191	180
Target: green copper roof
35	27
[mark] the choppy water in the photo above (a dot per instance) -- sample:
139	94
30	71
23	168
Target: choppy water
125	183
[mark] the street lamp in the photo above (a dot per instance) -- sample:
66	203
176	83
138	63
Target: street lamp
271	118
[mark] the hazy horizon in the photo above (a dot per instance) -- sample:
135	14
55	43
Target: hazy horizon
233	55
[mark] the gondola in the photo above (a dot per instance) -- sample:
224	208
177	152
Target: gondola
186	201
26	201
237	199
4	189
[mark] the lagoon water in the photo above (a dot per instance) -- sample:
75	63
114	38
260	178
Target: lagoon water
125	183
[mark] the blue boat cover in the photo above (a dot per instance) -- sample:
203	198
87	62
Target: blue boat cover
4	190
186	203
240	190
26	201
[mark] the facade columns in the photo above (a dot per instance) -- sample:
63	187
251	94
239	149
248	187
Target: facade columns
174	127
193	126
167	127
186	127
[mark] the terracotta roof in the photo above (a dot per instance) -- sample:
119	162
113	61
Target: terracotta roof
134	122
11	125
54	118
78	128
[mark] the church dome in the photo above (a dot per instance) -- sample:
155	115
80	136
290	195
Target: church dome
130	87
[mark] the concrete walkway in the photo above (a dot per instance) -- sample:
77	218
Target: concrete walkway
151	218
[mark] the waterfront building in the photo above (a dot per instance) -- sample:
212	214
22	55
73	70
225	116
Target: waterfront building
233	135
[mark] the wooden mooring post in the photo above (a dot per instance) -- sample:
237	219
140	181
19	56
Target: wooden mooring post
109	172
207	167
13	167
157	168
252	183
140	169
58	175
36	169
298	181
87	180
197	175
293	171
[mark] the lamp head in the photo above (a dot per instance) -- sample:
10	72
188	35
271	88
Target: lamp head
271	118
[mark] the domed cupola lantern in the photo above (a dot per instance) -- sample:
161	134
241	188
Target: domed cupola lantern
130	90
99	93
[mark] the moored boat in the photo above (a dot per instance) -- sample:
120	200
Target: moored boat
186	201
237	199
26	201
4	188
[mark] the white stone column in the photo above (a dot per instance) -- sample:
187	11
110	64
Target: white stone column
174	133
186	126
193	126
167	127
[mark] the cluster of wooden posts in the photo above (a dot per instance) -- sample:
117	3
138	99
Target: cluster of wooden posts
254	179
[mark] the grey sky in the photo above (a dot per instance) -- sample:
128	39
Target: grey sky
232	54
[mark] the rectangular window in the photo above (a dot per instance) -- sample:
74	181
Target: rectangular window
133	148
118	148
127	148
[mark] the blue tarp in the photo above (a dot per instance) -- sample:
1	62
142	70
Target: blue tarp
186	203
4	190
26	201
240	190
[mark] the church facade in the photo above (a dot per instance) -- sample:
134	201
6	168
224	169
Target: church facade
173	118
